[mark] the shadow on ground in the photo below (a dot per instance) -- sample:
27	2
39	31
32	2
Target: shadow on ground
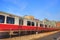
50	37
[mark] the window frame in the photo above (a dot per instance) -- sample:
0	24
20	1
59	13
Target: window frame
28	23
33	24
45	26
7	19
41	25
2	18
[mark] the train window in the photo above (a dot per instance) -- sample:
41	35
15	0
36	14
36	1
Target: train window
45	25
20	22
49	26
36	24
28	23
10	20
32	23
41	25
2	18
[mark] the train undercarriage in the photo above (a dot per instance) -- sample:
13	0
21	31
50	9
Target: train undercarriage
7	34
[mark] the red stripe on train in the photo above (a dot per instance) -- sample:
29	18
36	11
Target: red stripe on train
4	27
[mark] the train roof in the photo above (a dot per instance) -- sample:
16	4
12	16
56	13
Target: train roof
5	13
9	14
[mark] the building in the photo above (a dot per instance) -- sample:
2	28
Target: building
58	24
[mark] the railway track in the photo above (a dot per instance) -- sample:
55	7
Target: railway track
31	37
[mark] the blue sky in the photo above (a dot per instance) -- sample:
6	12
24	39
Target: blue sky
40	9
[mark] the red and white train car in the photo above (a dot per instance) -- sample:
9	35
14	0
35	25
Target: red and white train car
12	25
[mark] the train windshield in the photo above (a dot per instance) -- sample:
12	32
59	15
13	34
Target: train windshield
2	18
10	20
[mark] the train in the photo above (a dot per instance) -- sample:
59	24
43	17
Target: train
13	25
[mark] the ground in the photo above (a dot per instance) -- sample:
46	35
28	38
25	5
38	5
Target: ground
40	36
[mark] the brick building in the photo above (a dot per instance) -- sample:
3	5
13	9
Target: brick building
58	24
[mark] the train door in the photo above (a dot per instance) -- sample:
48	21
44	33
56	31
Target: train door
49	26
37	24
20	21
41	25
